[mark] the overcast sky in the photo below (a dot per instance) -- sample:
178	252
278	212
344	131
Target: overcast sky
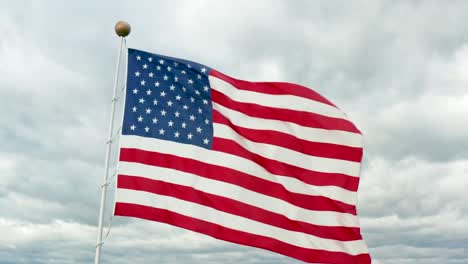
399	69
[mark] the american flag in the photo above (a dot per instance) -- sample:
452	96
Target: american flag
269	165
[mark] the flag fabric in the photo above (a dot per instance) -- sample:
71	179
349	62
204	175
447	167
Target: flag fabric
264	164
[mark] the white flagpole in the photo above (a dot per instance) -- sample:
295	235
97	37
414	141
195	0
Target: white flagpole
122	29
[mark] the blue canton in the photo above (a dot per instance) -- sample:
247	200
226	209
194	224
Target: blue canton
168	98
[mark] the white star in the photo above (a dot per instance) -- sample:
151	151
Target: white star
190	81
198	76
176	79
184	125
156	84
147	129
189	136
161	131
184	89
145	66
135	91
169	103
134	109
137	74
183	72
169	68
176	64
150	59
142	100
163	112
197	92
178	97
170	123
203	70
163	94
207	121
205	88
200	110
161	61
155	102
132	127
165	77
176	114
189	66
206	141
205	101
148	110
172	87
151	74
140	119
192	99
148	92
142	83
192	117
185	107
138	58
158	68
176	134
155	120
199	129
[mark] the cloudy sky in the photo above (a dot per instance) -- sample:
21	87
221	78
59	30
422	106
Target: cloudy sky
398	68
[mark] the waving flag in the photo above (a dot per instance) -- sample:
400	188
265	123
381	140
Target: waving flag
269	165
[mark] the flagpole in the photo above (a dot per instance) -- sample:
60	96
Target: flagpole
122	29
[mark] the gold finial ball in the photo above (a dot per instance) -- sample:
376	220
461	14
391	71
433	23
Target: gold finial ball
122	28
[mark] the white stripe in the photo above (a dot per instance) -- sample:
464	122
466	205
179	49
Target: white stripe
234	192
289	156
211	215
236	163
290	102
306	133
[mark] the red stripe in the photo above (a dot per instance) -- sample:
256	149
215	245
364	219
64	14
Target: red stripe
298	117
278	88
235	207
326	150
279	168
236	236
235	177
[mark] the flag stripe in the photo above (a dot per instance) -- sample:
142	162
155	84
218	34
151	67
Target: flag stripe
236	236
324	218
237	163
285	188
288	101
211	215
235	207
281	139
301	118
307	133
278	168
288	156
272	88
